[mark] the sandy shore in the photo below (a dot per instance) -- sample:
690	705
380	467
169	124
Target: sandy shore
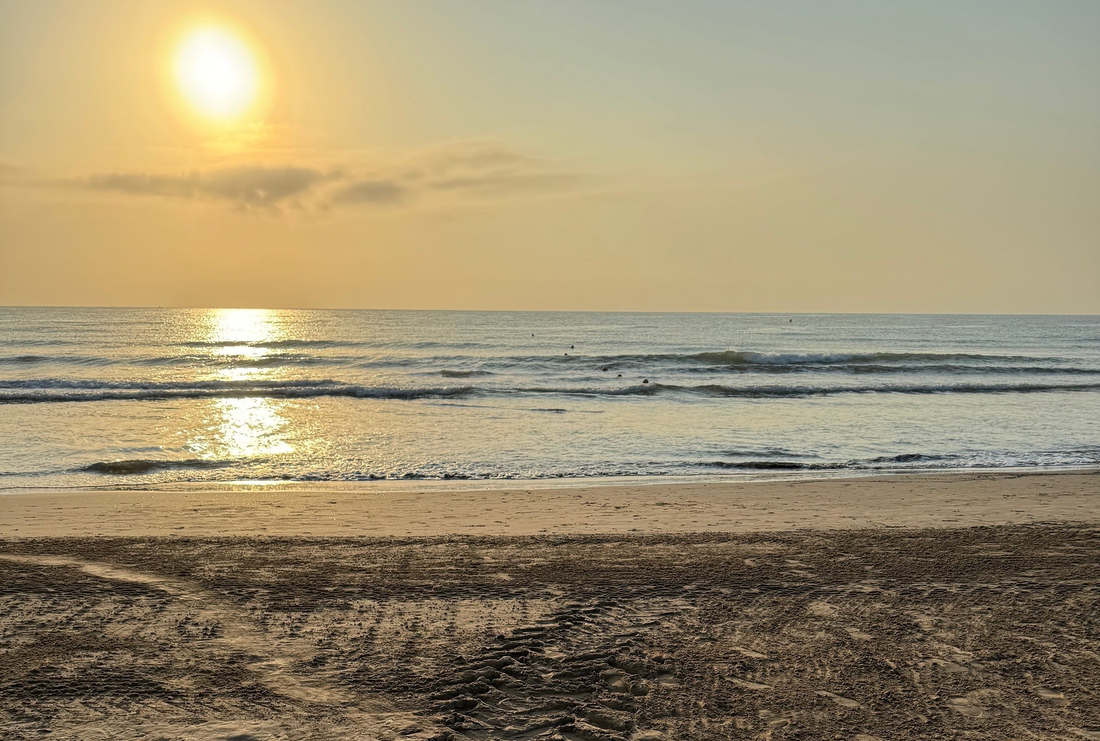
934	607
941	500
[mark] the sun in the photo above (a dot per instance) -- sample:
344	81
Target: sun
216	73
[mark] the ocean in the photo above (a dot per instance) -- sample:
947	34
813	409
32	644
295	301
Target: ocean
142	397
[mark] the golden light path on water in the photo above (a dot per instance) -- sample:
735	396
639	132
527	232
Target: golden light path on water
247	427
103	396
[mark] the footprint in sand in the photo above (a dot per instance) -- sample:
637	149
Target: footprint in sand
1052	696
963	706
667	679
821	609
927	623
746	652
842	701
750	685
941	665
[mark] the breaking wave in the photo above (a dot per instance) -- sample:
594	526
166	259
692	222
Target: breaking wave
881	362
304	353
73	390
141	465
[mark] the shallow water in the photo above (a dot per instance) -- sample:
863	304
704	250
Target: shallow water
133	396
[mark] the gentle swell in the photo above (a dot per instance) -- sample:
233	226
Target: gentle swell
278	344
65	390
463	373
734	357
285	353
60	390
784	392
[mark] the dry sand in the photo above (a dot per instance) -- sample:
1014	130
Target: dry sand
936	607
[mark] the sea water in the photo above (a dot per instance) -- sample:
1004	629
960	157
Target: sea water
108	397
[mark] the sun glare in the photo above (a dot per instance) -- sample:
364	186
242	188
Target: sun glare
217	74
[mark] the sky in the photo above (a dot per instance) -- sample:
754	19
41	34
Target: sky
697	155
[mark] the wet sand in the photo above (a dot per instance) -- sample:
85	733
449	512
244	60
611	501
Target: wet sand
886	621
650	506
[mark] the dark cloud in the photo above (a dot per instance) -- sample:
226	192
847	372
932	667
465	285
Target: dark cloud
251	186
478	168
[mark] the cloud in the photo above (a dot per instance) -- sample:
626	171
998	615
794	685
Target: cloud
247	186
477	169
470	156
503	183
485	168
370	191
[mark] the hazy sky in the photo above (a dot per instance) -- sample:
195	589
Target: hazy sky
718	155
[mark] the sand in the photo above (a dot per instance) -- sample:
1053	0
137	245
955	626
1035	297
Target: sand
940	500
948	607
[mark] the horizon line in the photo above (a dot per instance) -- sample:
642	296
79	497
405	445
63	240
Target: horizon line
548	311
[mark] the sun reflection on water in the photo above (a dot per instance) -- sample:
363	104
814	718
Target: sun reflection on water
250	427
247	426
243	332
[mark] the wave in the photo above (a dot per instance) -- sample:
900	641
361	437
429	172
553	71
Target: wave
60	359
237	470
291	353
910	458
744	362
773	465
67	390
42	342
760	392
770	392
879	362
321	344
237	361
463	373
737	357
142	465
23	359
277	344
28	391
918	461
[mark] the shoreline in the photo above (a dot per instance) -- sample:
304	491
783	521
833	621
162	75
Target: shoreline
746	476
914	500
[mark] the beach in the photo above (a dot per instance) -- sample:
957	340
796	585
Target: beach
549	371
894	607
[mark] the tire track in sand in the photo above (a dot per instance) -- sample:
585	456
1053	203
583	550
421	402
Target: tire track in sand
271	660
